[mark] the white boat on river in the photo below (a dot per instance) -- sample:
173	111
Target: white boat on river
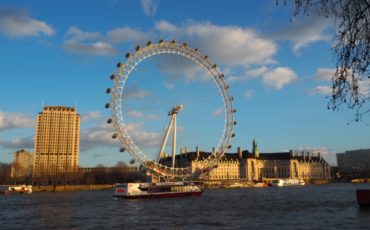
287	182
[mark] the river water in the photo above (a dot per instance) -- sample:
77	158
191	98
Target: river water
330	206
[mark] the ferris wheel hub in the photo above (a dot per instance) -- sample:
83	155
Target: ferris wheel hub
176	110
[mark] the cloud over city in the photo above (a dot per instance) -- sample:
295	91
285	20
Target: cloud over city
15	23
11	120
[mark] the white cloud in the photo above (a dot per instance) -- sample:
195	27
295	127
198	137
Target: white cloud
75	33
248	93
18	143
327	154
138	114
249	74
228	45
324	74
169	85
257	72
279	77
126	34
101	136
87	43
218	112
94	115
98	136
321	89
305	31
16	23
10	120
149	7
134	92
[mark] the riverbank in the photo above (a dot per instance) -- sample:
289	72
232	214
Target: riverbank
71	188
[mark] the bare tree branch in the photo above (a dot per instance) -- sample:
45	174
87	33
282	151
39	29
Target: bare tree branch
351	50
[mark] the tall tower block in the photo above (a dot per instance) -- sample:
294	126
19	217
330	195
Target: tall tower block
57	144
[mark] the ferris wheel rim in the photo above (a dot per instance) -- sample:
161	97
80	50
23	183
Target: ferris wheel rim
123	74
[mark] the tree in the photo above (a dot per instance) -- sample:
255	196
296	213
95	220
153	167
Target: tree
351	49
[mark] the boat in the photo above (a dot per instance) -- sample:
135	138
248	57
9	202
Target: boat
15	189
287	182
260	185
156	190
363	197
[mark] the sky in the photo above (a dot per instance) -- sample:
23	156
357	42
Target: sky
278	69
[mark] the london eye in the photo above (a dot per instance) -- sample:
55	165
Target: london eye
123	132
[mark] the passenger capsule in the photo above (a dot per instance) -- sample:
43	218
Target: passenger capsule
122	149
205	56
108	90
114	136
173	41
132	161
185	44
112	76
137	48
196	49
107	105
118	64
127	55
233	135
160	41
222	75
148	43
227	87
214	66
109	120
229	147
231	98
234	123
233	110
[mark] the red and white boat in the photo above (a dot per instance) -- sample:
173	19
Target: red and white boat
156	190
363	197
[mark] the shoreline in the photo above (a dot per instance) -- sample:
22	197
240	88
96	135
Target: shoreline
71	188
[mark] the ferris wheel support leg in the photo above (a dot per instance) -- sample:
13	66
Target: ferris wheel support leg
174	141
164	141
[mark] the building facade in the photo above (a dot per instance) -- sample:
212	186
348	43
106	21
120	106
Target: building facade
255	166
22	164
57	140
354	163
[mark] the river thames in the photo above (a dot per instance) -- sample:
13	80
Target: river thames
330	206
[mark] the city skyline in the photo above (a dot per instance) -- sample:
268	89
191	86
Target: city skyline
278	71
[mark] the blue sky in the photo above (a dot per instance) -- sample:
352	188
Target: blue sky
62	53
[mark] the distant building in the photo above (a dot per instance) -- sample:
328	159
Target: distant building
57	140
22	164
354	163
256	166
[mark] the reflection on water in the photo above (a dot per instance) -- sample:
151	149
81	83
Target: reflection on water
309	207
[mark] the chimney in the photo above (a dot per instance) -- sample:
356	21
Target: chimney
213	151
319	155
197	150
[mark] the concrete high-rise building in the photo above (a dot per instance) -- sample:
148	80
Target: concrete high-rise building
354	163
22	164
57	143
